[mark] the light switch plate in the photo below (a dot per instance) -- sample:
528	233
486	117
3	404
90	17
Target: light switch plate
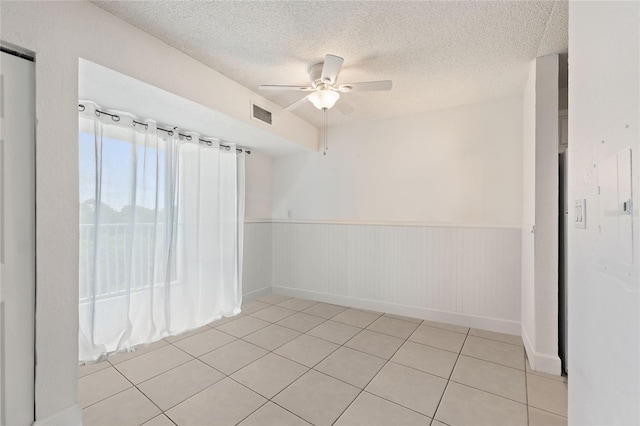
580	213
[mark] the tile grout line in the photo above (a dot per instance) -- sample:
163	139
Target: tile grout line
193	358
493	362
145	395
526	386
243	385
272	351
296	379
315	365
226	376
450	374
386	360
489	392
328	355
375	375
198	358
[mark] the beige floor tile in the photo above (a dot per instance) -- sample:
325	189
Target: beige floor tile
403	318
546	394
297	304
225	403
369	410
90	368
273	299
373	343
439	338
544	418
462	405
160	420
445	326
498	352
317	398
149	365
273	313
356	317
548	376
174	386
372	312
325	310
204	342
234	356
408	387
243	326
393	327
307	350
335	332
182	336
129	407
271	414
351	366
488	376
139	350
269	375
426	358
100	385
489	382
254	306
224	320
301	322
500	337
272	336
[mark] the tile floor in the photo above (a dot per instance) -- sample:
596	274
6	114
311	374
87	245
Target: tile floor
287	361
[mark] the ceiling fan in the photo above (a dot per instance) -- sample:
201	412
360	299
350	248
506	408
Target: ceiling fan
324	88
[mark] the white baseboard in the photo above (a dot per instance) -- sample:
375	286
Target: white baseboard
528	346
252	295
541	362
485	323
71	416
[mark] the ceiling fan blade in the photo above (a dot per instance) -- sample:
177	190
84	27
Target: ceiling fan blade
331	68
344	107
280	87
366	86
296	104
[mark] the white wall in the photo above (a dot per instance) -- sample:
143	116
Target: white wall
258	259
539	297
604	258
528	209
60	33
257	267
417	215
258	186
546	217
466	276
17	241
457	165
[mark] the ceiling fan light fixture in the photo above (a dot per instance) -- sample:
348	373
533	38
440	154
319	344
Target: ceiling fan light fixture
324	98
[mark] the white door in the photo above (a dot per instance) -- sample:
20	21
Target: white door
17	240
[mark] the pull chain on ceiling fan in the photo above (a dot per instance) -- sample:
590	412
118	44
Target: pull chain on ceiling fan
324	89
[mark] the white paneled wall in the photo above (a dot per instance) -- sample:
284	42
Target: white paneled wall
256	274
463	275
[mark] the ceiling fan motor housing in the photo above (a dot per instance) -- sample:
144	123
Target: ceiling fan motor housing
315	74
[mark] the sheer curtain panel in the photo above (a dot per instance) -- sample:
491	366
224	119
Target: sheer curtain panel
161	225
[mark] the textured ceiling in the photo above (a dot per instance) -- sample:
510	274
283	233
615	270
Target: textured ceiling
438	54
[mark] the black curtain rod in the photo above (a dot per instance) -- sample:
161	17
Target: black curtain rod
116	118
16	53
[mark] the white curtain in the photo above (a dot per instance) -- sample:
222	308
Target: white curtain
161	228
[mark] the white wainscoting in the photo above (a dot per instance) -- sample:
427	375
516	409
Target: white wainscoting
257	263
458	274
